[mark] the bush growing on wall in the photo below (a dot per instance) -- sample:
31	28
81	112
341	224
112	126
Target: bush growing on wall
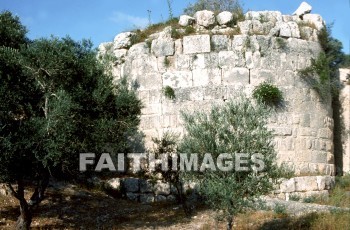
268	94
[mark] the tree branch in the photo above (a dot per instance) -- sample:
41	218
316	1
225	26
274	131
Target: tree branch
12	191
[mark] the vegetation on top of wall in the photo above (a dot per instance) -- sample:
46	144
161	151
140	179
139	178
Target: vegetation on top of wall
216	6
268	94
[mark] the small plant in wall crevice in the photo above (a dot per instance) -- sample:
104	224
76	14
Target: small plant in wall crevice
169	92
268	94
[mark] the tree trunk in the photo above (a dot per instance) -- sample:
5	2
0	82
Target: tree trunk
25	218
229	223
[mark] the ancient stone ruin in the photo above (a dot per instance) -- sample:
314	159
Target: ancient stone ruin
221	57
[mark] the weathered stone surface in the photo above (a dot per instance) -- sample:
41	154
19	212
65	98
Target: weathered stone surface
105	47
205	18
161	188
123	40
316	19
304	8
235	76
171	198
224	17
186	20
264	16
137	50
307	183
287	186
220	42
178	46
145	186
177	79
160	198
196	44
120	55
132	196
245	26
288	29
146	198
163	47
131	184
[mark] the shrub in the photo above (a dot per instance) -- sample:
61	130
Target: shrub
268	94
237	127
169	92
282	44
216	6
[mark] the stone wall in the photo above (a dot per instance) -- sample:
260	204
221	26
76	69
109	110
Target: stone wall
344	75
149	191
211	65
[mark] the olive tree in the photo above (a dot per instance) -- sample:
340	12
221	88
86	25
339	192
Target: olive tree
57	101
234	134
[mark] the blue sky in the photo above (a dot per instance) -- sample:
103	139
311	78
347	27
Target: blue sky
101	20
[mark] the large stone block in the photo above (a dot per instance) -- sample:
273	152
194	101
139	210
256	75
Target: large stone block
146	198
146	186
307	183
220	42
177	79
205	18
232	76
316	19
163	47
203	77
224	17
123	40
229	59
304	8
131	185
287	186
196	44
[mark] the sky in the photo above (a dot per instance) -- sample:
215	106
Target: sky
100	21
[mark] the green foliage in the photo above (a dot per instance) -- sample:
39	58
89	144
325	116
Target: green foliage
12	32
216	6
294	197
169	92
280	209
346	62
319	67
310	199
282	44
268	94
237	127
166	62
57	101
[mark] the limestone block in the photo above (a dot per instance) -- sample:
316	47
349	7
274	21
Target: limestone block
316	19
131	184
304	8
245	27
169	121
235	76
149	122
146	186
183	62
228	59
252	59
196	44
178	46
258	76
203	77
319	157
163	47
132	196
287	185
161	188
186	20
307	183
120	54
329	182
205	18
238	42
137	50
146	198
123	40
265	16
160	198
288	29
220	42
177	79
283	131
224	17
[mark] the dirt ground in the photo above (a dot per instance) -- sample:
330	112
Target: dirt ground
72	207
